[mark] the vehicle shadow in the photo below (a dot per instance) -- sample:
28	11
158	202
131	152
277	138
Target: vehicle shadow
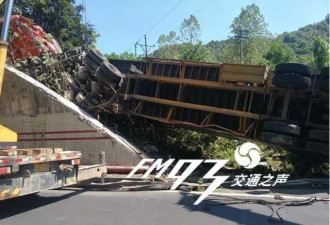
15	206
217	207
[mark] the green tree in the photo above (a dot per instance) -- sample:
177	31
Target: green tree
185	47
61	18
250	36
195	52
249	23
169	39
190	30
320	54
279	53
185	51
125	55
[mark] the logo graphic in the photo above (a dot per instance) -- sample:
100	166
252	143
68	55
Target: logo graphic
247	155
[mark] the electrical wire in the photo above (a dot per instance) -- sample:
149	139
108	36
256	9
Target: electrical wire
197	11
203	6
158	22
269	204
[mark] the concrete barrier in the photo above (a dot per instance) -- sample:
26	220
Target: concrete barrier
42	118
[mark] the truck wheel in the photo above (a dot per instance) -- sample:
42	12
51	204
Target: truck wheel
91	65
96	56
80	98
111	71
103	78
95	86
279	139
317	146
320	135
83	73
83	101
291	81
296	68
100	75
281	127
322	84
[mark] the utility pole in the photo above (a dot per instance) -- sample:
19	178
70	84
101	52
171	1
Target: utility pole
135	45
145	44
145	47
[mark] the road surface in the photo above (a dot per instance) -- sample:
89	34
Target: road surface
146	208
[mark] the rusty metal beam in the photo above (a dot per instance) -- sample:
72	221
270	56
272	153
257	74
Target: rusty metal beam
200	83
205	127
198	107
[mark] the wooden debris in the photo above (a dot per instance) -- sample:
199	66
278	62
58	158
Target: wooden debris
42	151
57	150
24	151
10	152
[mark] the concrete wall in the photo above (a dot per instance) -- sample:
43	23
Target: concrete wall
43	118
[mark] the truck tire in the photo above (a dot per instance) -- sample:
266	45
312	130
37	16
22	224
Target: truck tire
72	84
75	86
96	56
281	127
296	68
105	80
101	76
319	135
280	139
291	81
111	71
322	84
91	65
317	147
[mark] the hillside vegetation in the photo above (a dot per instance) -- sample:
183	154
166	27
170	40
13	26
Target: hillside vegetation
251	43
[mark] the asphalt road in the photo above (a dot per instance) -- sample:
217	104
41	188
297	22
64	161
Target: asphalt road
145	208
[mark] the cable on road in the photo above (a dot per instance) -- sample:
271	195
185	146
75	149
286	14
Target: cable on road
282	204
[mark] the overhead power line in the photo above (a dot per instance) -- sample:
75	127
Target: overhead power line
157	23
197	11
203	7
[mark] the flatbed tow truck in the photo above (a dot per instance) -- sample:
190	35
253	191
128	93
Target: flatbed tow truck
26	171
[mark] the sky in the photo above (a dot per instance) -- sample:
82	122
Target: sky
121	23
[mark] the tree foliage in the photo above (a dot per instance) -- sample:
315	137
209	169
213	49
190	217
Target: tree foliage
185	51
301	41
61	18
125	55
169	39
320	54
186	46
279	53
250	37
190	30
249	23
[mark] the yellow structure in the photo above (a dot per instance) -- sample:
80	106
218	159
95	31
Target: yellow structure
6	135
3	56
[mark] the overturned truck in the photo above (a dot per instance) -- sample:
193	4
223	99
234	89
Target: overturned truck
287	107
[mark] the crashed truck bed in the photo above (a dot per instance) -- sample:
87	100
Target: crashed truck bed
44	119
232	99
